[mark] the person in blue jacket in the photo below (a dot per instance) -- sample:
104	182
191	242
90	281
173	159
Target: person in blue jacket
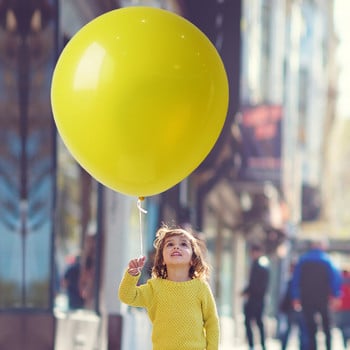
316	287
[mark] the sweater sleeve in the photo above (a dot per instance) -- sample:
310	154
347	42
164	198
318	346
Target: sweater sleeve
295	283
211	319
133	295
335	280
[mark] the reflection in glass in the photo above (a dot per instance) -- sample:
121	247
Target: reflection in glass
76	234
27	57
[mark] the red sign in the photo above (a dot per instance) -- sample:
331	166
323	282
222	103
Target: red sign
261	143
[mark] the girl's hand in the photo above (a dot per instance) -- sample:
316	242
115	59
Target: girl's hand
136	265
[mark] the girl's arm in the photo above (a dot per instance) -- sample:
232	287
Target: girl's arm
211	319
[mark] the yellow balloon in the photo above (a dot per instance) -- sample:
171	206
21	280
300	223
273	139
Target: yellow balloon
139	97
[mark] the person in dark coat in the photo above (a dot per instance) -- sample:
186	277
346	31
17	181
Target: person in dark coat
255	295
71	282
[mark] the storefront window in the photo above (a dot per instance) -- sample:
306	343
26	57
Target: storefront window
77	234
27	58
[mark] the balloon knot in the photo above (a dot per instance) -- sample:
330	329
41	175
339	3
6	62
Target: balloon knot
139	205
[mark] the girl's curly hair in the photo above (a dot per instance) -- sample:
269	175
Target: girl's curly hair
199	267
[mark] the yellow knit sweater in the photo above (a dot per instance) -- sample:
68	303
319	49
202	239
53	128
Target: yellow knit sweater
183	314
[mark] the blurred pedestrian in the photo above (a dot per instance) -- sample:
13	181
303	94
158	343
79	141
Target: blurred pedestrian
255	295
292	318
315	289
342	314
71	282
178	298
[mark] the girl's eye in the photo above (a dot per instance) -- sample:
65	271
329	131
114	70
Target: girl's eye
184	244
169	244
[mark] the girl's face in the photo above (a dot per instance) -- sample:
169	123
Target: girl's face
177	251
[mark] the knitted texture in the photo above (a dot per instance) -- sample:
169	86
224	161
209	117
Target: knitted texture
183	314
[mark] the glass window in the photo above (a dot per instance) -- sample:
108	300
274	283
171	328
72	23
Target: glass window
76	234
27	57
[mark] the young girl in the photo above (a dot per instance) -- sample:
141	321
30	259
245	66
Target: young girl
178	298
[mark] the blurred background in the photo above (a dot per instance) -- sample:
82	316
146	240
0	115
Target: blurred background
278	174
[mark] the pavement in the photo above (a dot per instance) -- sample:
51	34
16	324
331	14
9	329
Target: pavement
274	344
80	330
238	342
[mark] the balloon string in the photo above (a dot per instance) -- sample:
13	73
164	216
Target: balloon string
141	211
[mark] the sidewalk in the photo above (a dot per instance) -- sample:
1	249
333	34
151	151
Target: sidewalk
238	342
81	330
274	344
233	335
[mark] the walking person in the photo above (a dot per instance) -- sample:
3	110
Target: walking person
255	295
292	317
315	290
342	312
178	298
71	282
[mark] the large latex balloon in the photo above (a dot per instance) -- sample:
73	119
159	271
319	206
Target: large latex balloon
139	97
